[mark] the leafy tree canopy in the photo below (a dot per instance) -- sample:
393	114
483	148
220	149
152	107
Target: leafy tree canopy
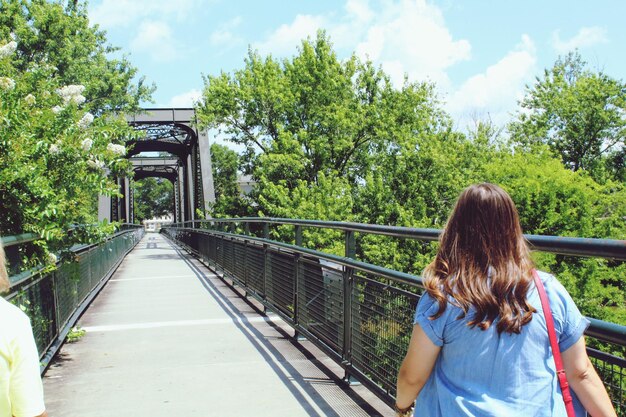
579	114
61	37
332	139
60	141
228	199
153	197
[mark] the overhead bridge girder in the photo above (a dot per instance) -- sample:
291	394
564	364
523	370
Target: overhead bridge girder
156	168
175	132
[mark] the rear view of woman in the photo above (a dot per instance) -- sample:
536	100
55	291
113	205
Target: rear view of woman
21	391
480	343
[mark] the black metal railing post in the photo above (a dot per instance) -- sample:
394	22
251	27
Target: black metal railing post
245	264
55	298
267	264
348	287
298	278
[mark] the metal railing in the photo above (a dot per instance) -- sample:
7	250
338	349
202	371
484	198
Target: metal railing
361	314
55	299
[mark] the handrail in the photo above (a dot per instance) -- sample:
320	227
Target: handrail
18	239
12	240
19	280
601	330
576	246
56	298
350	309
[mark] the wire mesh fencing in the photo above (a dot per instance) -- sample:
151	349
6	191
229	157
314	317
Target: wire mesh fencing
360	314
52	299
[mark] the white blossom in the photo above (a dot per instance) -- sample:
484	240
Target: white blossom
96	164
78	99
54	149
7	83
30	99
72	94
85	121
8	49
116	149
52	258
57	109
86	145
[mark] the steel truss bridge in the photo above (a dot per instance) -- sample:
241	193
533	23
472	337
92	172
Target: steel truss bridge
170	146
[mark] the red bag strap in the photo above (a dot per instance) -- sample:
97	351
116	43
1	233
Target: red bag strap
560	372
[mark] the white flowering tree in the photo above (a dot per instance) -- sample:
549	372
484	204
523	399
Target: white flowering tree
55	156
59	133
58	33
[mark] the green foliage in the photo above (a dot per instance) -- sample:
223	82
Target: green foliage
579	114
76	53
328	199
154	197
76	333
228	199
302	117
59	140
334	140
553	200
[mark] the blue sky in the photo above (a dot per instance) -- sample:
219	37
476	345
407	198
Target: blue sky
480	53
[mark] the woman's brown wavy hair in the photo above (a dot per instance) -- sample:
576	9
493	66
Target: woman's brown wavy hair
483	261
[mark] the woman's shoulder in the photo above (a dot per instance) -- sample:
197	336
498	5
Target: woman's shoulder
12	315
551	283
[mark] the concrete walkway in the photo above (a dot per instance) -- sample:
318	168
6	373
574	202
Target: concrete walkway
166	337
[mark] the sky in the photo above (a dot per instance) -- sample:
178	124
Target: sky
480	53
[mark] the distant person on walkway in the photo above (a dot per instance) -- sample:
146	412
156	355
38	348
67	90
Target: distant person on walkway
480	344
21	391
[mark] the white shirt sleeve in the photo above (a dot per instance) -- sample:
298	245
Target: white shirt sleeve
25	387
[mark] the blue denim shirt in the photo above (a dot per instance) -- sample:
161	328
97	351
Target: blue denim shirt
483	373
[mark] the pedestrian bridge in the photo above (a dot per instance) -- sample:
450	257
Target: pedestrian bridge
214	318
167	337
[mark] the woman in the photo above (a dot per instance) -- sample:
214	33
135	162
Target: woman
21	391
480	344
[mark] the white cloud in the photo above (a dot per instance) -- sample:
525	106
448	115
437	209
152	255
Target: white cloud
586	36
123	13
155	38
360	10
284	40
186	99
411	37
405	37
495	92
224	36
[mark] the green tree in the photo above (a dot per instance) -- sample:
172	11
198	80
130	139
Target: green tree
76	53
59	138
309	115
579	114
553	200
334	140
228	199
153	197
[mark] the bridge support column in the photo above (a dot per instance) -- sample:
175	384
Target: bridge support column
190	188
176	198
182	198
104	208
127	200
204	147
